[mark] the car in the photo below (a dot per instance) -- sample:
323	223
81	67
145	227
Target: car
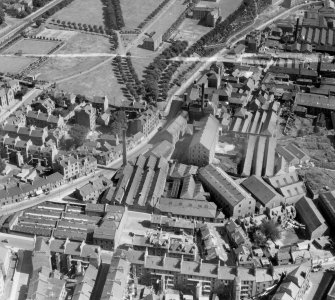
131	233
5	241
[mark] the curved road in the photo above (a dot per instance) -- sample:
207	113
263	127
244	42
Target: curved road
18	27
206	64
122	50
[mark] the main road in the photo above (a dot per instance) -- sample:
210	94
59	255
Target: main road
58	193
27	20
205	64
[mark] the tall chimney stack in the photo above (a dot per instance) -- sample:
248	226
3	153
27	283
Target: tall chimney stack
124	144
202	96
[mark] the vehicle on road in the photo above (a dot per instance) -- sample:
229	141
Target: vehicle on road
5	241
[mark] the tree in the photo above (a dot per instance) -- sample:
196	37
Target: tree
118	121
270	230
78	133
39	22
2	15
259	238
2	165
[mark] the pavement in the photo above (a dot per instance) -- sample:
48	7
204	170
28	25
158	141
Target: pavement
16	242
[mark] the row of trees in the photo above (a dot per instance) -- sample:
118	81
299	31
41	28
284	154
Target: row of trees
113	14
175	24
234	22
153	14
154	82
2	15
55	8
129	76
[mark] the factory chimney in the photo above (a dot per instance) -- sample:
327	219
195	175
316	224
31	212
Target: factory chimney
202	96
124	144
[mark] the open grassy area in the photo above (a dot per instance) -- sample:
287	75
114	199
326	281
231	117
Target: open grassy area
98	82
63	35
141	58
135	11
169	17
14	65
82	11
31	46
61	67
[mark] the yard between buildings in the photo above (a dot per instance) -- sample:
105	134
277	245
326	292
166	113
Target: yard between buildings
31	46
14	65
136	11
82	11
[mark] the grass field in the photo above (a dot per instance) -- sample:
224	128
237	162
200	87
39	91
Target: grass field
135	11
141	58
169	17
82	11
14	65
63	35
60	67
99	82
31	46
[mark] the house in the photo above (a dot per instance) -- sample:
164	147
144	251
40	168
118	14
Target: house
46	106
201	151
295	284
91	191
292	154
6	96
86	116
175	129
227	194
99	103
84	287
43	281
283	257
288	185
145	122
108	234
116	284
73	167
40	119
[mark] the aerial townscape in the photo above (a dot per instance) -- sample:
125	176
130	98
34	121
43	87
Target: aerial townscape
167	150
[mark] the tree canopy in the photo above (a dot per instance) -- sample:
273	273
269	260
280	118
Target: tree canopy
78	133
2	15
270	230
118	121
2	165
